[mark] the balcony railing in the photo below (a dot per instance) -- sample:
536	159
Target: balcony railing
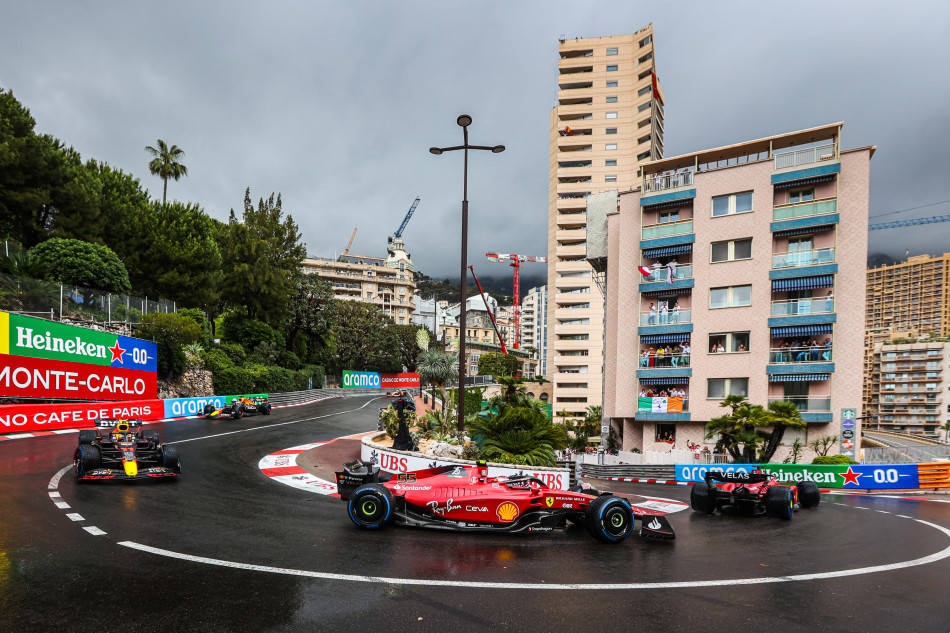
668	318
805	209
667	228
806	403
662	274
798	259
653	183
666	361
793	307
799	355
798	157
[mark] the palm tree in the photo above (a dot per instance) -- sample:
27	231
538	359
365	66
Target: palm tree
739	428
166	164
438	368
783	415
946	427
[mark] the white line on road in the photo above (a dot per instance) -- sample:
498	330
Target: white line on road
944	553
74	516
62	505
54	482
92	529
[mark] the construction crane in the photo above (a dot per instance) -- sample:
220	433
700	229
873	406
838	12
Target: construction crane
350	243
516	261
405	221
899	223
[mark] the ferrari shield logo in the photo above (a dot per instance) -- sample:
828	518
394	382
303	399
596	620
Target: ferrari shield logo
549	501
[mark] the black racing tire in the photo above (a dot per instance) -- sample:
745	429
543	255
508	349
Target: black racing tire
87	457
209	409
610	519
88	436
702	498
170	458
808	494
264	408
779	502
371	507
237	412
151	435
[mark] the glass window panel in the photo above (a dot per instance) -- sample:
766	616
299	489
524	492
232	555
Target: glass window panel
721	205
743	249
743	202
720	251
741	295
716	388
718	297
739	386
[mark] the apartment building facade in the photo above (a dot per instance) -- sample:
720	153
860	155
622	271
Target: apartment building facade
607	121
911	383
755	257
534	325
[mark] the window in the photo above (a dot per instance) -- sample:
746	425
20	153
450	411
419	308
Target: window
730	296
611	115
610	146
646	40
611	68
573	337
646	58
643	156
644	106
730	342
611	84
611	130
669	216
732	204
731	250
803	195
611	99
612	51
610	163
718	388
664	432
610	178
644	91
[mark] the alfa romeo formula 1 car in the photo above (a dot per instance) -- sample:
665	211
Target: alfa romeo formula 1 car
238	408
466	499
755	493
114	450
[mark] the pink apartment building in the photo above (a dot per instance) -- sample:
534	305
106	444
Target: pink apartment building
758	253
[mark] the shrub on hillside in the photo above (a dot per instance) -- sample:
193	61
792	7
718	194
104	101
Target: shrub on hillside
832	460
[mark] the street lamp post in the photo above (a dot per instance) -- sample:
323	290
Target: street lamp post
464	121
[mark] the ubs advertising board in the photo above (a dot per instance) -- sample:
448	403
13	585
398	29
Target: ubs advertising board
46	359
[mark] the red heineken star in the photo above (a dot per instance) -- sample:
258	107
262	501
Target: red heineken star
116	352
850	477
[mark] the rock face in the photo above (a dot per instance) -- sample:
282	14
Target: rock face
194	383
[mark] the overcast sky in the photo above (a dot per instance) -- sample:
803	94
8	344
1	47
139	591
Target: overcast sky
335	104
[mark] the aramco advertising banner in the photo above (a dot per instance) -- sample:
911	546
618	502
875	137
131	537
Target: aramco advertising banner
46	359
854	476
376	380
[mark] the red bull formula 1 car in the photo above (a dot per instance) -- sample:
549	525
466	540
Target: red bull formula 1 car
239	407
466	499
756	493
114	450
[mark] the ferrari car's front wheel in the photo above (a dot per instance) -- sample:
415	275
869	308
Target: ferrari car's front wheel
779	502
808	494
610	519
86	458
371	506
702	498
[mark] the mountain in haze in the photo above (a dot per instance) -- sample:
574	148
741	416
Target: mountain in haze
498	287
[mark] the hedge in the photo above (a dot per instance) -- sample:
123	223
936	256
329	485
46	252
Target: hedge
265	378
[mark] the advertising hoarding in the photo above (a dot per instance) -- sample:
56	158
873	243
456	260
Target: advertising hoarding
855	476
360	379
25	377
399	381
24	418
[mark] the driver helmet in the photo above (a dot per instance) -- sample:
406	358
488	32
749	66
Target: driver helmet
121	429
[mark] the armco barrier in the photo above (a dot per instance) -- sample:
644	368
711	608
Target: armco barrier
935	475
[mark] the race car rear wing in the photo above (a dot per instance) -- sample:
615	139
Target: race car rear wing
736	477
108	423
355	474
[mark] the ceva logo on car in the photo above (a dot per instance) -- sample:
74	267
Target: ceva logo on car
360	379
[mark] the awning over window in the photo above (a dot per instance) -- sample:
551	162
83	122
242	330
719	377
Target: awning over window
668	251
798	377
680	202
803	283
801	330
788	184
675	380
664	293
653	339
804	231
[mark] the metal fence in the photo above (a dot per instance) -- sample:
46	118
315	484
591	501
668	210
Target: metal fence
75	304
906	454
676	456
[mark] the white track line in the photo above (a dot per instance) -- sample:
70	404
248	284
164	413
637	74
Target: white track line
73	516
944	553
54	482
92	529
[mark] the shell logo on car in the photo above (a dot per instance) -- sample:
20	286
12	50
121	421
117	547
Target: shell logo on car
507	511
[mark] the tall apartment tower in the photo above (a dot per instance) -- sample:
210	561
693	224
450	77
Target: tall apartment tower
607	121
534	325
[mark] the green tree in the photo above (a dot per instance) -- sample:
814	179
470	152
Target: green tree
171	332
249	333
438	368
946	428
74	262
262	255
402	341
358	335
497	364
518	435
22	263
309	315
736	431
166	163
782	415
123	207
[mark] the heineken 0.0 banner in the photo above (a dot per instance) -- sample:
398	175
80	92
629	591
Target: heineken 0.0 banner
855	476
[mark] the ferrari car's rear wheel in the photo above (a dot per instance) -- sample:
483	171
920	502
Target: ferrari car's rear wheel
702	498
86	458
87	436
779	502
610	519
371	506
808	494
170	458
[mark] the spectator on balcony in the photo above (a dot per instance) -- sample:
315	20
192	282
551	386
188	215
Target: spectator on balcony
826	354
671	270
675	316
651	355
829	301
741	348
644	359
652	318
815	352
661	356
643	394
664	313
801	351
686	351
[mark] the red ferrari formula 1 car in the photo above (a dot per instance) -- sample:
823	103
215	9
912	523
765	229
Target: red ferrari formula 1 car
465	498
115	451
755	493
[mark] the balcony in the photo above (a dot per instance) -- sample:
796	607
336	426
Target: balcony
825	206
577	85
799	356
795	307
655	183
794	158
666	229
806	403
572	250
565	220
662	274
671	318
572	204
799	259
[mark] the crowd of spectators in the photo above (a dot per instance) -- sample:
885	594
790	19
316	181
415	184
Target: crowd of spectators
666	356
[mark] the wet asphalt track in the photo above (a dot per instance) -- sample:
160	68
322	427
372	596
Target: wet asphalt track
55	576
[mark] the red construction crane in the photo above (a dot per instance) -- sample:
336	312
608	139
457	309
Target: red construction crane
516	261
